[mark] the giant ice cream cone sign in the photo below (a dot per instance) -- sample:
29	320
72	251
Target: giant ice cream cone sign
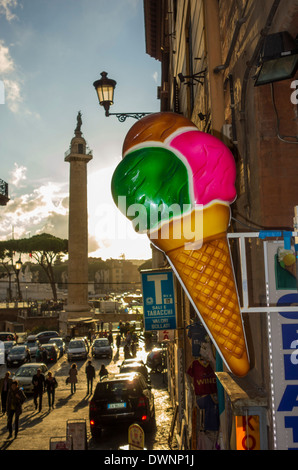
176	183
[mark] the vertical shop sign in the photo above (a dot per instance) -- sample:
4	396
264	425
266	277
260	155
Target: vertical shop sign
158	300
247	432
283	343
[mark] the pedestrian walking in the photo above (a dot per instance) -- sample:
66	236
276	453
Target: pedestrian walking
15	400
118	341
73	378
90	373
103	371
51	385
38	381
126	350
5	384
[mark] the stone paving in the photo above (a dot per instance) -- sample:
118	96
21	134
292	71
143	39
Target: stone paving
36	430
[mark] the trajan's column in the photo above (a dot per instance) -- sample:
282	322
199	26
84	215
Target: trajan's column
78	156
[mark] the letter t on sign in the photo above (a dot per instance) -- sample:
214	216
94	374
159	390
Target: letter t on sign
157	278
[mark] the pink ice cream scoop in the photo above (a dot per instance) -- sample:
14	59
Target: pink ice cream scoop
212	165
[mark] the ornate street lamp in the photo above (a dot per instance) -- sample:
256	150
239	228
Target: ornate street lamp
105	92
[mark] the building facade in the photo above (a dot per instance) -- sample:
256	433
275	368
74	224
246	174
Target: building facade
209	52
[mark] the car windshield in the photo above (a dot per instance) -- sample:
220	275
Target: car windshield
76	344
8	344
56	340
112	390
26	371
18	349
49	347
101	342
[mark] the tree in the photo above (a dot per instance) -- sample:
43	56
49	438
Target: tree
43	248
7	251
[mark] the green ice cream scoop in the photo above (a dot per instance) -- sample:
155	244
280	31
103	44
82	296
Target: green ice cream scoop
151	185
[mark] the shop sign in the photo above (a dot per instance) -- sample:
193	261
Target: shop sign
247	432
135	437
283	344
158	300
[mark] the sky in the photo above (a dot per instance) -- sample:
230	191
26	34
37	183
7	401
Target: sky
51	52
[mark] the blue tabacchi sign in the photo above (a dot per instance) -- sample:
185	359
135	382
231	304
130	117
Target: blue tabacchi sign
158	300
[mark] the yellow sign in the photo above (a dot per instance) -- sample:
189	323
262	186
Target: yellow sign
135	437
247	432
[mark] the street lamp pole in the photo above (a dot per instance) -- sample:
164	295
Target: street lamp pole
18	268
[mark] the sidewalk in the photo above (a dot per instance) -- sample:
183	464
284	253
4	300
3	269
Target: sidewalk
36	429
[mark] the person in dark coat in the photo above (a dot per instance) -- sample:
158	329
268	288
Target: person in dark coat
5	384
118	341
90	373
103	371
51	384
38	381
15	400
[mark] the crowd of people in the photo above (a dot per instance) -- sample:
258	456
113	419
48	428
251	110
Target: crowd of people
13	397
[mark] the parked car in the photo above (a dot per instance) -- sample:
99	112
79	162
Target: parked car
32	343
52	351
25	374
77	349
7	347
127	367
44	336
60	345
131	361
18	355
124	398
101	347
85	339
6	336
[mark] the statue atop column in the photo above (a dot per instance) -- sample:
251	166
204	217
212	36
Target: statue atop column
79	122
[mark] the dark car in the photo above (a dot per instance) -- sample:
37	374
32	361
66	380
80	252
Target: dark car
44	336
101	347
52	352
124	398
59	343
127	367
18	355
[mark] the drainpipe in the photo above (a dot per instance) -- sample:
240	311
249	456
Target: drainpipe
213	46
264	32
239	23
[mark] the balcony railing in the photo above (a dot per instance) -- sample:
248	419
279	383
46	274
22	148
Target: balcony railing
80	151
3	193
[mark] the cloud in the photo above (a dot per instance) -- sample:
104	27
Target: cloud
6	7
17	175
155	76
43	210
6	62
12	84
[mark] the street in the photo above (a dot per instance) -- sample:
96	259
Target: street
36	429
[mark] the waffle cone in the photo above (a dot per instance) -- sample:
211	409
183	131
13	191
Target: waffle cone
207	276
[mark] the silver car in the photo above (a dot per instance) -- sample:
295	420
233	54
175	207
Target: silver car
77	349
25	374
101	347
32	343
